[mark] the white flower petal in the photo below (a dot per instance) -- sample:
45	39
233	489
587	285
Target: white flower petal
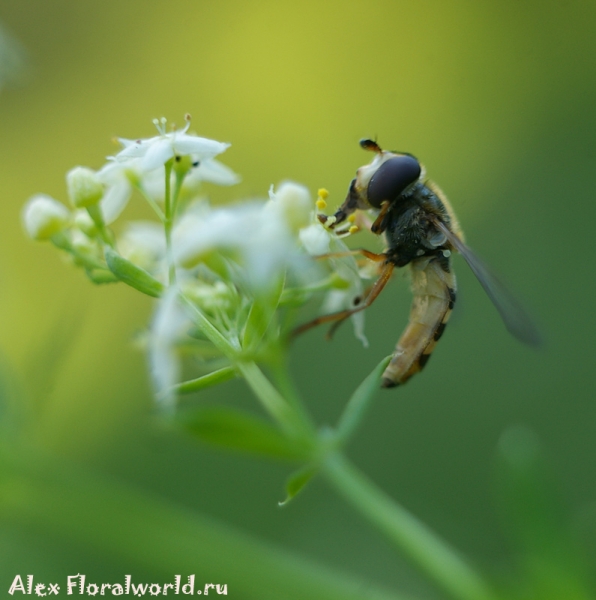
157	154
191	144
134	149
169	324
315	239
212	171
115	200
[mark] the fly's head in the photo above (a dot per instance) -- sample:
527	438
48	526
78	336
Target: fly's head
388	176
378	184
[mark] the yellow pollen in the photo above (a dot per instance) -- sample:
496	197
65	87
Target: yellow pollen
352	217
354	229
321	204
323	194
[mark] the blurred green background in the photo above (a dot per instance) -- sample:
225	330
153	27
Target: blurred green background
497	100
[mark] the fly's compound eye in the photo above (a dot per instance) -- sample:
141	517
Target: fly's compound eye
392	178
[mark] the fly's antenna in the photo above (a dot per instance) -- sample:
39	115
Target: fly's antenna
371	146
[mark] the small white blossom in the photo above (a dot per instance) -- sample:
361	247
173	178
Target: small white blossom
250	234
317	240
43	217
84	187
211	171
119	179
132	168
156	151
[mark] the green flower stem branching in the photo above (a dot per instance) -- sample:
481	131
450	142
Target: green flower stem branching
95	214
436	558
61	241
274	403
211	332
440	562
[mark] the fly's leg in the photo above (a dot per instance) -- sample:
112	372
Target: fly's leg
342	315
366	253
380	223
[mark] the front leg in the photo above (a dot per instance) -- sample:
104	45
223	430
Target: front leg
350	205
380	224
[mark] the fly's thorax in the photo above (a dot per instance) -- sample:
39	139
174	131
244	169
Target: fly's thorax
443	207
410	231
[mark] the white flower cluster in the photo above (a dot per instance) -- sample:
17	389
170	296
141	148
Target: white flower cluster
222	260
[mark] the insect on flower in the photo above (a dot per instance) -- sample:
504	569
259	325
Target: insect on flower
421	231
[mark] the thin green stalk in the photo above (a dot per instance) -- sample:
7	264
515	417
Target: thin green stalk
151	202
432	555
286	385
273	402
168	224
95	214
177	187
209	331
61	241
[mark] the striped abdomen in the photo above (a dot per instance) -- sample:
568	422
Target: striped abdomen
434	288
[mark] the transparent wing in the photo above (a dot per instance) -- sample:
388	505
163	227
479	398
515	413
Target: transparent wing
516	319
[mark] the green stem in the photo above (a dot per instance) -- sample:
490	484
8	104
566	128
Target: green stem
61	241
438	560
151	202
209	330
168	224
95	214
273	402
286	385
177	187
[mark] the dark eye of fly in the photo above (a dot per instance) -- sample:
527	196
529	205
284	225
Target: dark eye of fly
392	178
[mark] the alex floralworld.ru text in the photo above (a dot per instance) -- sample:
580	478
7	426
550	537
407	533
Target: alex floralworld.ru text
78	585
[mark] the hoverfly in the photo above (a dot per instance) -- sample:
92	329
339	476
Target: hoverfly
421	231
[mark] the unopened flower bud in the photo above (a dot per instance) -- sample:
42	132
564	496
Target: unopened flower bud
43	217
84	187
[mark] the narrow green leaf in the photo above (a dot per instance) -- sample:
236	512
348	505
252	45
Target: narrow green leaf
132	275
235	430
359	402
297	481
101	276
194	385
